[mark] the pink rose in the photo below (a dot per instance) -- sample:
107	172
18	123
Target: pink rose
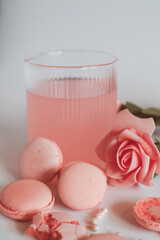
129	151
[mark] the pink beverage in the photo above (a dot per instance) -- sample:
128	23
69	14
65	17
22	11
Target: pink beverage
71	99
76	118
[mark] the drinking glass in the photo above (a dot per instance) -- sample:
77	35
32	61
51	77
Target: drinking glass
71	100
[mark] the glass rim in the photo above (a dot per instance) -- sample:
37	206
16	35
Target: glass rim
115	59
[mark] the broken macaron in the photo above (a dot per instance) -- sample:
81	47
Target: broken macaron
56	225
147	213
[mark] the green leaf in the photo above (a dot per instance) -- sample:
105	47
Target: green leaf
142	113
155	175
123	106
155	112
157	140
157	121
157	145
133	108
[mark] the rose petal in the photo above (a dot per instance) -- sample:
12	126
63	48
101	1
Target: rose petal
125	160
118	183
129	181
127	134
147	170
125	119
110	139
134	163
112	168
150	174
152	151
131	146
145	162
123	149
119	154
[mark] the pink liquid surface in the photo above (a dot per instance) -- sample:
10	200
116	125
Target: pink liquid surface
76	124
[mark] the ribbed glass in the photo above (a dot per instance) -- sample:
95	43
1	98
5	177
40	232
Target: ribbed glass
71	99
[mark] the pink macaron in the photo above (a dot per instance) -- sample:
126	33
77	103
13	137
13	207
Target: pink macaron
41	159
106	236
23	199
147	213
58	226
82	186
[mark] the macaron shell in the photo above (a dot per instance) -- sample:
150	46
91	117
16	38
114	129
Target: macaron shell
82	186
106	236
81	232
71	231
25	198
64	217
147	213
41	160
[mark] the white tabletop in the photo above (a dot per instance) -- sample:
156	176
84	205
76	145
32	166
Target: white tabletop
128	29
119	201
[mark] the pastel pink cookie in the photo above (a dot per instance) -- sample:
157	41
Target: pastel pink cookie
106	236
57	226
25	198
41	159
82	186
147	213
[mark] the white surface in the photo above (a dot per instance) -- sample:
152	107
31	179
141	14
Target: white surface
127	28
119	218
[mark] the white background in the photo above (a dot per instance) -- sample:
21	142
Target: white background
130	29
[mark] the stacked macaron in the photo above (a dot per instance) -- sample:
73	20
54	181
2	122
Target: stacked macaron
39	163
81	186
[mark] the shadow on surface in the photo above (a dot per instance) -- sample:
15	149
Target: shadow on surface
12	141
22	226
124	211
